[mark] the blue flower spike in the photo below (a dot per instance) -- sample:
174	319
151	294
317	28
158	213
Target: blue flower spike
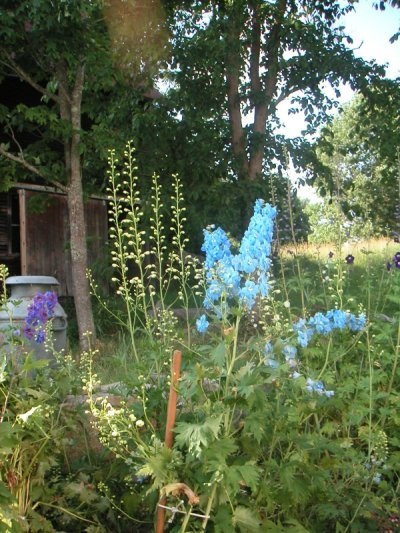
243	276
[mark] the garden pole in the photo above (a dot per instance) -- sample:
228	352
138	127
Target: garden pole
169	435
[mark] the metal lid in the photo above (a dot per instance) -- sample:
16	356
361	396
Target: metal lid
31	280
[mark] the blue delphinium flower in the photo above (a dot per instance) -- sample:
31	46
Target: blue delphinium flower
243	276
324	324
40	311
304	332
356	323
216	246
321	323
318	387
248	293
338	318
377	478
202	324
271	361
268	348
289	352
255	247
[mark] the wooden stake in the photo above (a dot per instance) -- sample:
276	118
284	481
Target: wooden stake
169	428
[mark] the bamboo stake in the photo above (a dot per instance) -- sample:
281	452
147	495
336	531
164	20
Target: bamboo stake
169	428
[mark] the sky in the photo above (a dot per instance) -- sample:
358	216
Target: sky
371	31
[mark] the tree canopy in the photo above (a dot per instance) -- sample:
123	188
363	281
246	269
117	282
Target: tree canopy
233	64
74	105
358	156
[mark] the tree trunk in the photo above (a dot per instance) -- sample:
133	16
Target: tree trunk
70	109
250	158
232	76
69	102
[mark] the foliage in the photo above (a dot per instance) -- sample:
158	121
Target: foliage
247	57
283	423
286	415
57	125
328	222
48	463
363	174
39	39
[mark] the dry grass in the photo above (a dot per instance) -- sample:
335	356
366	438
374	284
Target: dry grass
382	248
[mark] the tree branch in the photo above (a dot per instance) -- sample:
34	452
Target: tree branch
255	50
262	105
232	76
25	76
273	51
21	161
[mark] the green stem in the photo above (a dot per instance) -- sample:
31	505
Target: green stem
370	391
209	506
230	365
66	511
393	375
186	521
355	513
326	358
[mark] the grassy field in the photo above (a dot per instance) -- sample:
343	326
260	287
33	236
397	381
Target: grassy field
318	276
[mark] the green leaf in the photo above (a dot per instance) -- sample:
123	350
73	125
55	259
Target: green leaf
5	494
254	425
218	355
216	455
197	436
237	476
8	438
38	394
295	526
246	380
31	363
158	467
246	520
223	518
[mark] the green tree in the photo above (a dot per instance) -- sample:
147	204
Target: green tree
233	64
357	157
62	51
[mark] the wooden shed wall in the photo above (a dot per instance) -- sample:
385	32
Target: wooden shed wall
45	237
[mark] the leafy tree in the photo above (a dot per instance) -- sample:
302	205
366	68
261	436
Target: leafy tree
78	100
233	64
357	156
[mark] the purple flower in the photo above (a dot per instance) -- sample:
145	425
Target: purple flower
396	260
330	255
349	259
39	313
388	266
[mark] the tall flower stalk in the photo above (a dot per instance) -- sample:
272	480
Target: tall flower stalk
180	267
145	268
117	197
